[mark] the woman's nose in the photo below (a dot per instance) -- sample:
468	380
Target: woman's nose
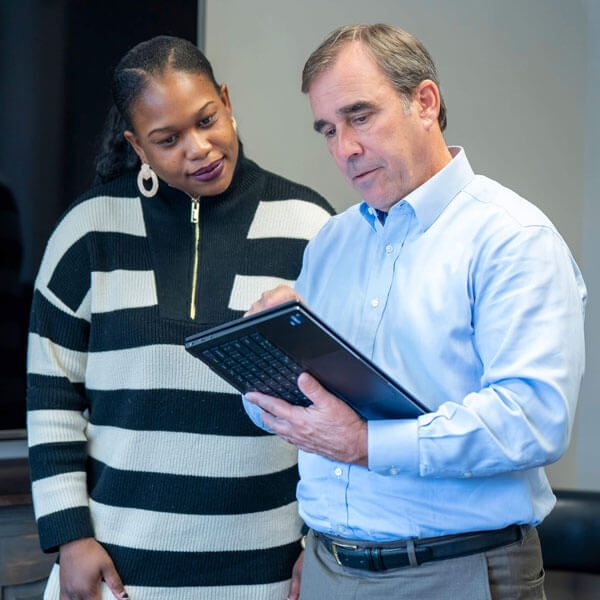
197	145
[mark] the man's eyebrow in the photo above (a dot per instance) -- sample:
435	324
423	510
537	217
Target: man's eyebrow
318	125
346	110
356	107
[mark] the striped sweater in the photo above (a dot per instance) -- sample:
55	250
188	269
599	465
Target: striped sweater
132	440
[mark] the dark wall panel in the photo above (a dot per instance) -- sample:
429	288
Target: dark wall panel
55	62
97	35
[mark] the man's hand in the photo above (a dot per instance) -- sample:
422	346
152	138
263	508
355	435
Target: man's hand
274	297
84	563
294	593
328	426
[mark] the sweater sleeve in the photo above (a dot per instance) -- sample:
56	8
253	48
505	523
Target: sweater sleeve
56	399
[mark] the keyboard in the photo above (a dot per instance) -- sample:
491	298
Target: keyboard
255	364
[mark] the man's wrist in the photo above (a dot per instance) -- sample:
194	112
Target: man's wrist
362	458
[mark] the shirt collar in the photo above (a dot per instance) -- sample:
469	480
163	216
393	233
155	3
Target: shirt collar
429	199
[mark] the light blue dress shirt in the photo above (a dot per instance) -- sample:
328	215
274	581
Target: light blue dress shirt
469	298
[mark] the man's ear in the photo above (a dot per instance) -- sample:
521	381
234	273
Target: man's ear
427	97
135	144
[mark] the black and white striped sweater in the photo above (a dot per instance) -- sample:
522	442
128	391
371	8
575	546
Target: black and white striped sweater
132	440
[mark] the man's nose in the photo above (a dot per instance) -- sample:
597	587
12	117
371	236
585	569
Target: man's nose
348	144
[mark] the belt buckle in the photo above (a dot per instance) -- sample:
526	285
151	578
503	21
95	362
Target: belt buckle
336	545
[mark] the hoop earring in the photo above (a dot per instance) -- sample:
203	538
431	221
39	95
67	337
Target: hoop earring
146	172
234	122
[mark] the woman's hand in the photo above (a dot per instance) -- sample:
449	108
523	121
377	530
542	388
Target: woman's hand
294	593
84	563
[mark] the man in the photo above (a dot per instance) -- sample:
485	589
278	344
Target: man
464	293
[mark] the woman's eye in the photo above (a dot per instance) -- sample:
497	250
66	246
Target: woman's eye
167	141
206	121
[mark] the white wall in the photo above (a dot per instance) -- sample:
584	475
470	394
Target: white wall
586	444
515	76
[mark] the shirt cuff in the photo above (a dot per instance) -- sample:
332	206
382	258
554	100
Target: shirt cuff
255	413
393	446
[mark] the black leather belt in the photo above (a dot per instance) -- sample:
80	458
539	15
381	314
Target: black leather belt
361	555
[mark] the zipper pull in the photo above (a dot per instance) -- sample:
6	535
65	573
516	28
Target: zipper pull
195	210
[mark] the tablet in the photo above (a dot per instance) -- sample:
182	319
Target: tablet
267	351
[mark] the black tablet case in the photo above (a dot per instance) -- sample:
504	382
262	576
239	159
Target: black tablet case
318	350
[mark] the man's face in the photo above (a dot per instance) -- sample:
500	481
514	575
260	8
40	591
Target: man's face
379	142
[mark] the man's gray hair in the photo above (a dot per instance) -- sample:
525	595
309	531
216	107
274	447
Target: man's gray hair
403	59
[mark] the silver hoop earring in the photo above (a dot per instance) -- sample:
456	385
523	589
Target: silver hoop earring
234	122
146	172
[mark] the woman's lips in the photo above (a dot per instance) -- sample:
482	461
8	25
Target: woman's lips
209	172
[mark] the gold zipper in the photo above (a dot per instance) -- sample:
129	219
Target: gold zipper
195	219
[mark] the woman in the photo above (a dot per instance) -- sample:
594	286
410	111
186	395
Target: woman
146	472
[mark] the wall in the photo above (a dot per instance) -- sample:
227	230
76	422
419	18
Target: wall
31	45
515	78
586	444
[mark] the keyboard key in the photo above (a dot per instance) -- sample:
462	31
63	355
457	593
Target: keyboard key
210	356
258	365
218	354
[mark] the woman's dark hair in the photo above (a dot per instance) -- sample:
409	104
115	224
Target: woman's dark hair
131	76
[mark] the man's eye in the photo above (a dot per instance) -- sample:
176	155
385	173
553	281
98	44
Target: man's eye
360	119
330	132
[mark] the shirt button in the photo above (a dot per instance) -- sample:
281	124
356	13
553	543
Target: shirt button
338	472
389	249
468	474
374	303
341	528
393	471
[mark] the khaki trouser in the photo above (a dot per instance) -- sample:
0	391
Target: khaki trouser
512	572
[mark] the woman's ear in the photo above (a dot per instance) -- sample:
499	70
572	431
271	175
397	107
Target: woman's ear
135	144
224	95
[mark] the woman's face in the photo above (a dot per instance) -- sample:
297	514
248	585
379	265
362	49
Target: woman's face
184	131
